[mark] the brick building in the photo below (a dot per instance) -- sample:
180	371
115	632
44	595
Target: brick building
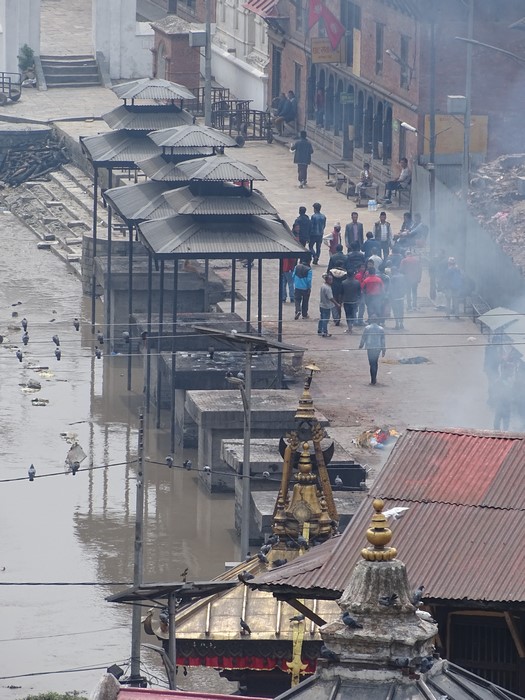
379	76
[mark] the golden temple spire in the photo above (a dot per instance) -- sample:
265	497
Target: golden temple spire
379	535
306	410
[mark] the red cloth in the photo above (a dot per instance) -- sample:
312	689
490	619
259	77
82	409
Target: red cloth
289	264
334	28
372	285
315	11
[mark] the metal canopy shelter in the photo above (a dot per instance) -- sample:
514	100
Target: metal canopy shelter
114	150
152	89
171	593
146	117
194	136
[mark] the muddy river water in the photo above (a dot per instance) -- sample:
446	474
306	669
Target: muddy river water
78	529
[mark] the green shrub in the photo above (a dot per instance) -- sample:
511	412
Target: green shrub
26	58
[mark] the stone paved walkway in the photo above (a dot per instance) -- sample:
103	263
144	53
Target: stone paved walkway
65	27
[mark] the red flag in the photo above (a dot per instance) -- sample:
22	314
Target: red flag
334	28
314	15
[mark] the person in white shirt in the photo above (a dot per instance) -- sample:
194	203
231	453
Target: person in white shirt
400	183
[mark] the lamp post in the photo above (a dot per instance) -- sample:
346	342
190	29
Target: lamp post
432	152
207	67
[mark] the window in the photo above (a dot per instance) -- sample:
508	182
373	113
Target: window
350	19
299	15
380	33
405	67
297	80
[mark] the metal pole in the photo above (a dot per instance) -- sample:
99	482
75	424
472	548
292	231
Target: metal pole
94	275
232	300
130	302
432	182
249	295
135	677
148	336
466	135
246	458
259	296
174	351
280	326
207	67
159	341
107	291
172	652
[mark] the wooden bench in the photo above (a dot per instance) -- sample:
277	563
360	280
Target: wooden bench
366	193
343	177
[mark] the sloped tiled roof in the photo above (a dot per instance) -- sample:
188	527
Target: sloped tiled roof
140	202
161	170
193	136
146	120
118	148
228	201
152	89
466	497
189	237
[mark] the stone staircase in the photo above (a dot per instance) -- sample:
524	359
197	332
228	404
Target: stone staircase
70	71
58	210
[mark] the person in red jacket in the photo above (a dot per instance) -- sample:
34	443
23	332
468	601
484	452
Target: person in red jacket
373	290
287	280
411	267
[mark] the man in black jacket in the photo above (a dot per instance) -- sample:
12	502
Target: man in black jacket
338	259
302	150
304	223
354	258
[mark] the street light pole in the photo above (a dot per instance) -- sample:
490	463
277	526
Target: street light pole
135	677
432	151
207	67
246	458
466	133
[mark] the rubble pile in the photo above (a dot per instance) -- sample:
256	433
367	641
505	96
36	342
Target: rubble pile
30	161
496	200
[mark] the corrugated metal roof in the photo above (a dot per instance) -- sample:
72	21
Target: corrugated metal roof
465	493
220	167
118	148
227	201
134	119
498	317
157	168
156	694
140	202
152	89
186	236
191	135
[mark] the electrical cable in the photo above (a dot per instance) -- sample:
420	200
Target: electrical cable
66	473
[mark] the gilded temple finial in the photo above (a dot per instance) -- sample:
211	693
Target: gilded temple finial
379	536
306	410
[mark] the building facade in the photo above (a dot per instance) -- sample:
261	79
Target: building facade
354	99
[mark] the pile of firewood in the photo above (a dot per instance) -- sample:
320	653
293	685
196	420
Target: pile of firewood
30	161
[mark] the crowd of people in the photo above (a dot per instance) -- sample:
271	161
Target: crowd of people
377	274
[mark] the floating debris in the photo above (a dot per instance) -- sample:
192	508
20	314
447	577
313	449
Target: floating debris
39	402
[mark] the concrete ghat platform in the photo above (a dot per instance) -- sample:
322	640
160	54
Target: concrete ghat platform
263	503
219	416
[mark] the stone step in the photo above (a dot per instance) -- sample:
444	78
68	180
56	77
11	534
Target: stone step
53	70
66	58
70	82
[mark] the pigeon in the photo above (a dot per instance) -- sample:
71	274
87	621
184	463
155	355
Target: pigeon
58	353
338	481
265	548
417	596
1	339
245	576
207	468
25	338
395	513
74	467
350	621
24	324
424	615
426	664
184	575
279	562
262	558
211	352
76	324
266	475
292	544
388	600
31	472
297	618
245	628
125	335
164	616
56	340
240	375
401	662
187	464
328	654
273	540
19	355
98	353
100	337
169	461
302	542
